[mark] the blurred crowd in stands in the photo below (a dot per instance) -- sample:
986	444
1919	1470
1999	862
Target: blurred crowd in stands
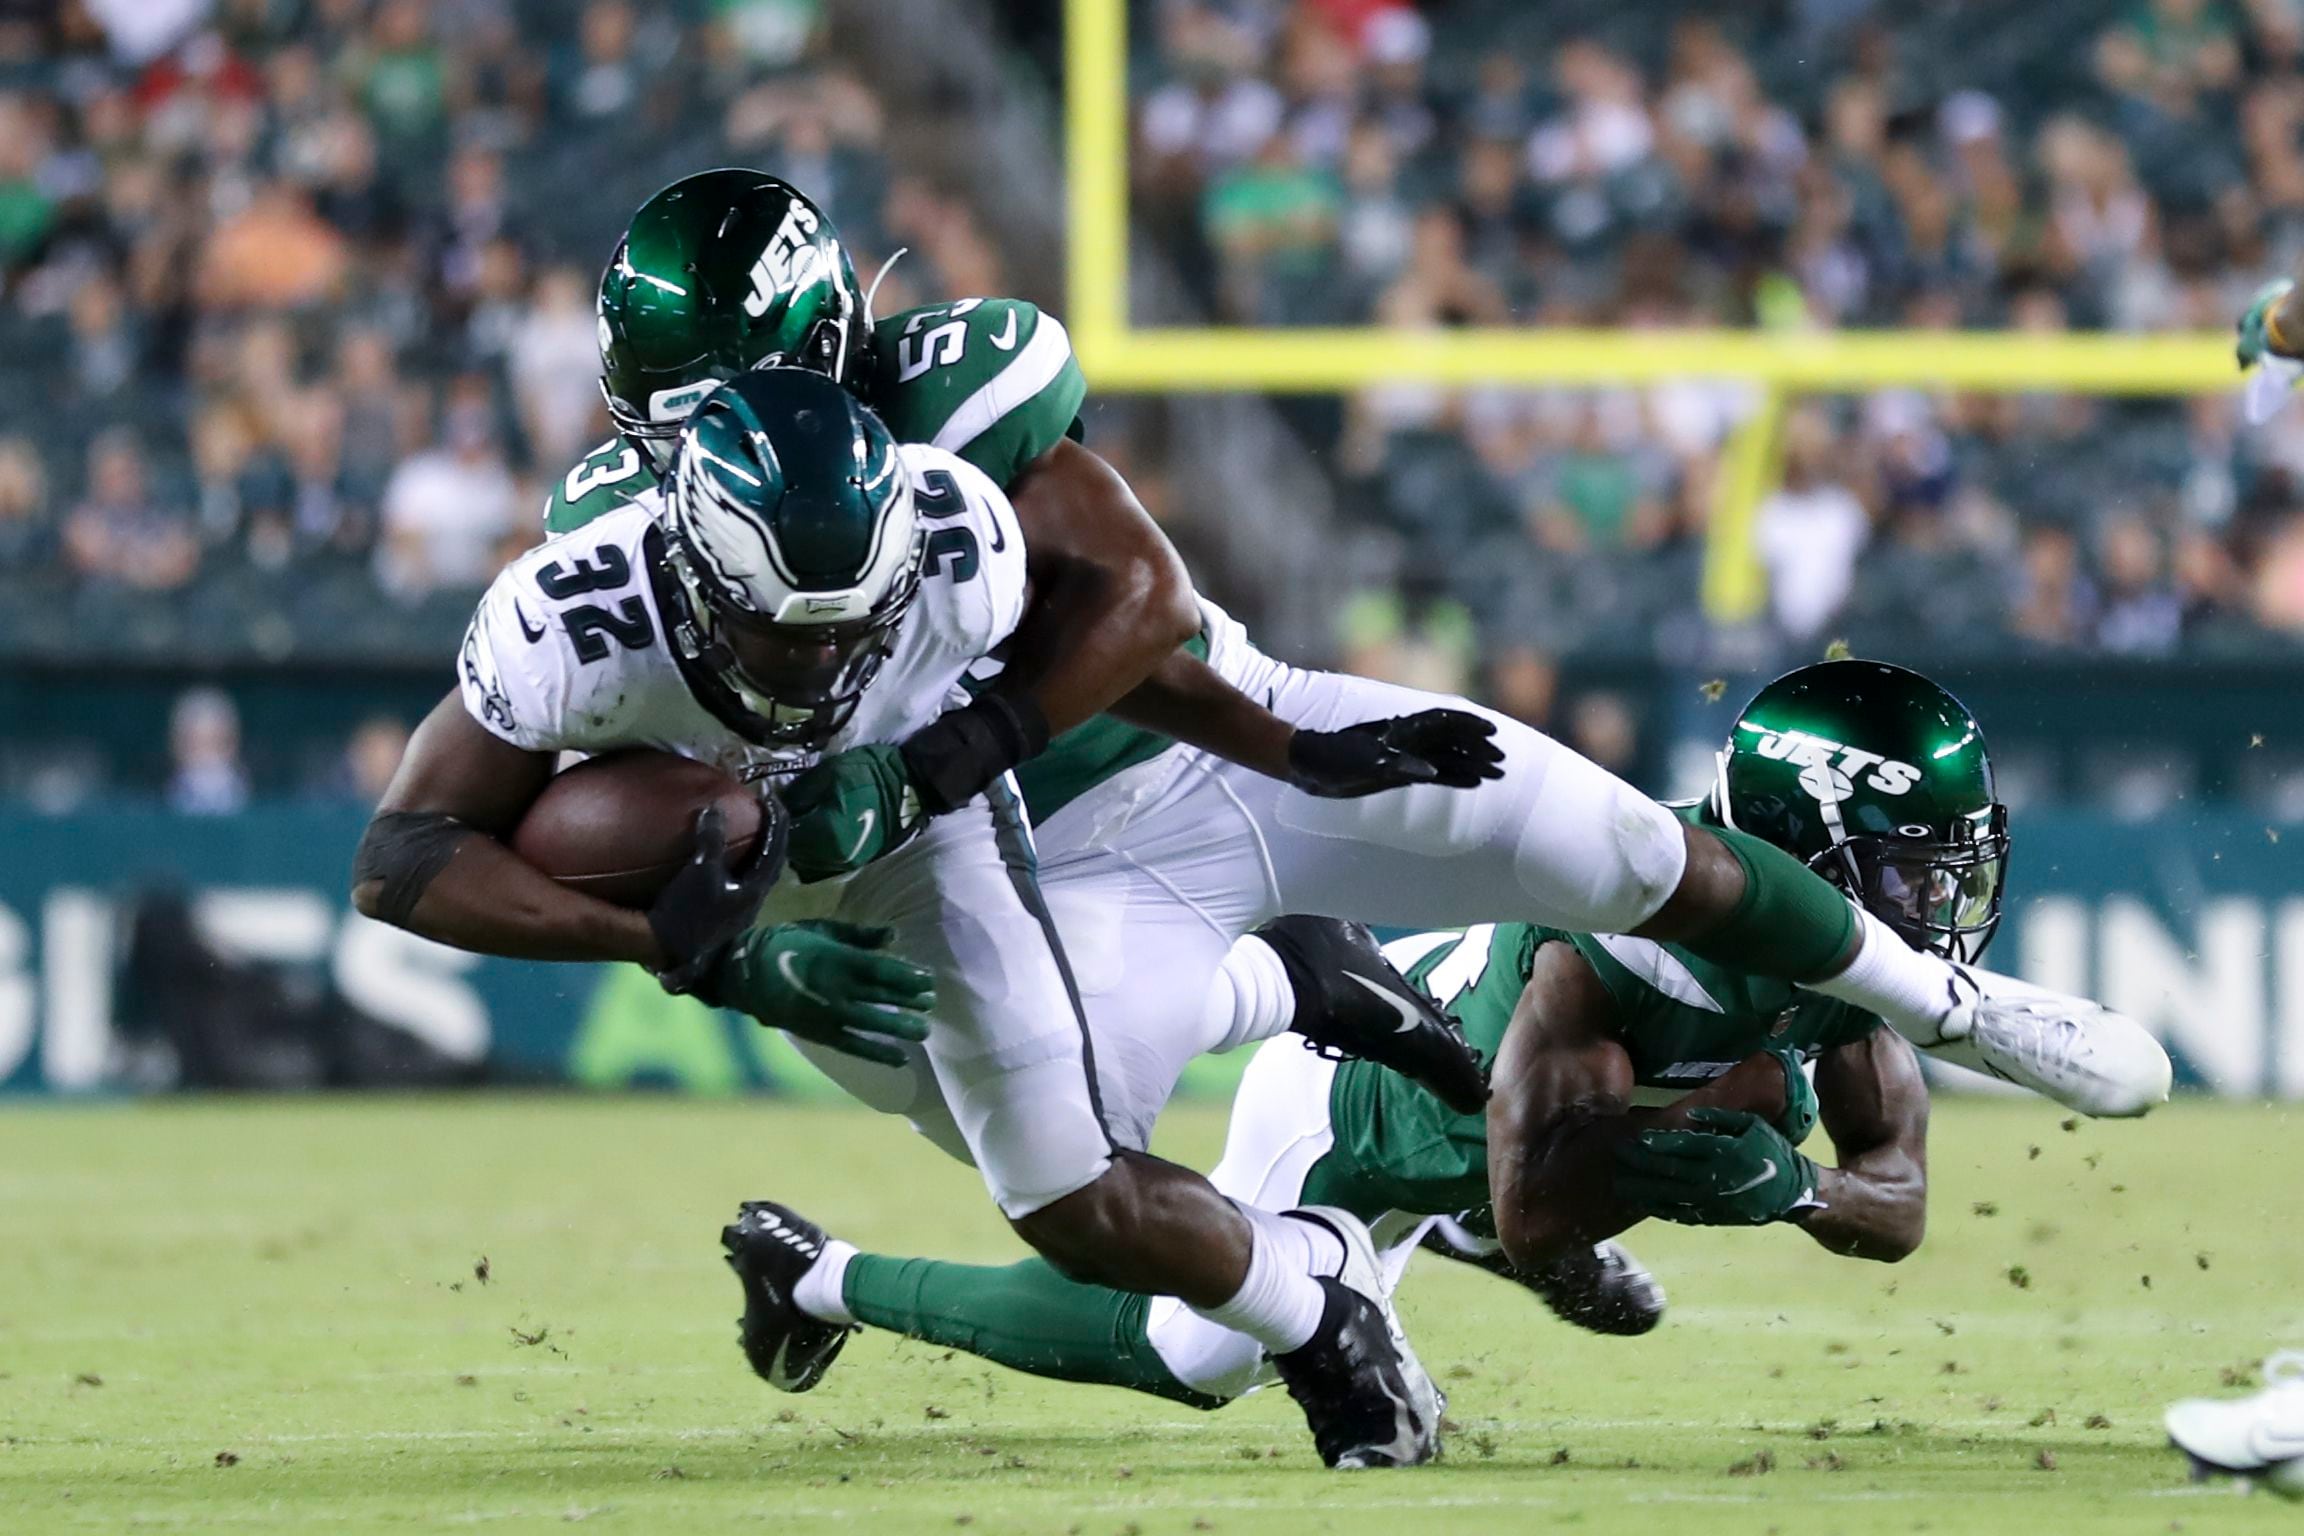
296	306
296	295
1928	164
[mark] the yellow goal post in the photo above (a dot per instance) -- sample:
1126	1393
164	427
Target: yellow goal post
1121	356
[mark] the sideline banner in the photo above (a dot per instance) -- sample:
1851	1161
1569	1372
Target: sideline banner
2195	926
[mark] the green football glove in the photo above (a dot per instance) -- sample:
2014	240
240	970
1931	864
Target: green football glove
1799	1117
849	810
2254	344
1733	1170
828	982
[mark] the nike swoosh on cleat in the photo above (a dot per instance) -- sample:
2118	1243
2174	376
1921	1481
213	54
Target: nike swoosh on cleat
1767	1172
1409	1017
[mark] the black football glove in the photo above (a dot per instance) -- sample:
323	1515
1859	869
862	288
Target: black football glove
1452	747
705	907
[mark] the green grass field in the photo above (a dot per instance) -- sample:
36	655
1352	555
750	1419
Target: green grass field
266	1316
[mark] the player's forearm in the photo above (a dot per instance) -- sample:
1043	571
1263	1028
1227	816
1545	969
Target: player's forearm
1554	1194
1094	633
1190	700
1565	1197
487	899
1875	1211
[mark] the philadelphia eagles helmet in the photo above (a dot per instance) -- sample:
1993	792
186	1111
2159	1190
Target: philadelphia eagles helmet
720	273
1879	780
794	546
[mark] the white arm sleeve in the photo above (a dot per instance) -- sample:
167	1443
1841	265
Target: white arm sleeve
515	668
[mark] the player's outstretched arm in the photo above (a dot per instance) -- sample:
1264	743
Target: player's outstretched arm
1873	1103
432	862
1559	1101
1110	595
1190	700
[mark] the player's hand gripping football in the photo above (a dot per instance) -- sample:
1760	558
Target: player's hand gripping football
1731	1169
829	982
706	906
1453	747
850	809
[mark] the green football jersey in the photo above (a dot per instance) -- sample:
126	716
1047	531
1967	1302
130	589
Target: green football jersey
1683	1021
992	380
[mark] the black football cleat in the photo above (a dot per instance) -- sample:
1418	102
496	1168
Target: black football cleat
770	1247
1367	1398
1350	1002
1602	1289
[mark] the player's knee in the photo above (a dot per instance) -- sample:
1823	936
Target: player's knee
1092	1234
1709	886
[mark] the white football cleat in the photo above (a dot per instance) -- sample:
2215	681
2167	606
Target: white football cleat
2260	1438
2080	1053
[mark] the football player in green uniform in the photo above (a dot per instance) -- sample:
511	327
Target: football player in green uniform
1631	1079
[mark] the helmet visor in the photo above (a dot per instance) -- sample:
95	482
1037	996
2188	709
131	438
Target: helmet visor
1941	895
805	667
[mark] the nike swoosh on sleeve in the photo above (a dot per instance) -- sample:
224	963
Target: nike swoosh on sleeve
521	614
1005	340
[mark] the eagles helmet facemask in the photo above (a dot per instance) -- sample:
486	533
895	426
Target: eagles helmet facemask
792	539
1880	780
720	273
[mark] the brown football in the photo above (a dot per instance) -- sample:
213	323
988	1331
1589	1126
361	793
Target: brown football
618	825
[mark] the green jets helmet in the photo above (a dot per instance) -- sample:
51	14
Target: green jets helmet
720	273
1880	781
795	548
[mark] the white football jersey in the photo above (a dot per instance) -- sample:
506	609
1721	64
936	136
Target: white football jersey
570	651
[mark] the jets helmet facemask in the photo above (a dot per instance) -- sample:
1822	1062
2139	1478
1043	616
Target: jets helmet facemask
720	273
1880	781
795	549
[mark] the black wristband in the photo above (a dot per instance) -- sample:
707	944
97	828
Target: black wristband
956	757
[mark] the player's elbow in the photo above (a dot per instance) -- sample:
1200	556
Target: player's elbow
1171	607
368	898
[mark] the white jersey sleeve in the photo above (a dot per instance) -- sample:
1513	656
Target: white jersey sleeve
551	660
973	568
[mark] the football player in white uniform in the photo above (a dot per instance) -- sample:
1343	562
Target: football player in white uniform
806	588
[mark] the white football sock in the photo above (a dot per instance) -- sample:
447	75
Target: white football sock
1250	999
822	1292
1279	1303
1918	993
1323	1246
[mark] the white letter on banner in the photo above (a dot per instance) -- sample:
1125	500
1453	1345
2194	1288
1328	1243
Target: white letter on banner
16	997
2055	930
411	984
76	965
2288	978
2211	1012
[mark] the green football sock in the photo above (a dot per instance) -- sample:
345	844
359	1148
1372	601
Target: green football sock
1792	922
1025	1316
